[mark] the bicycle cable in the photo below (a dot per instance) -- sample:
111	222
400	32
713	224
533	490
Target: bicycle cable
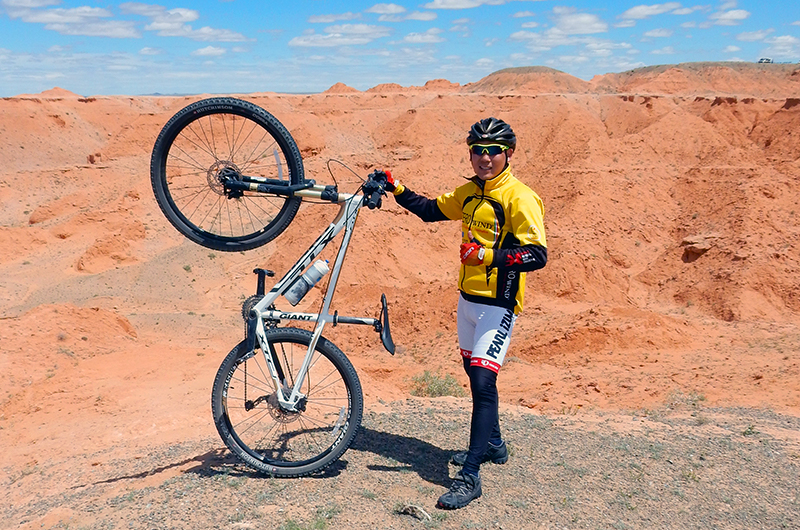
352	214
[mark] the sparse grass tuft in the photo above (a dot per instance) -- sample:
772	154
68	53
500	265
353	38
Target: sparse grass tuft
689	475
678	399
435	385
320	522
750	431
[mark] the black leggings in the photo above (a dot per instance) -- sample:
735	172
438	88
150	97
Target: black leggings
485	424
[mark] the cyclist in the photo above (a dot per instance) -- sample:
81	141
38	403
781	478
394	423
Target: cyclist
503	237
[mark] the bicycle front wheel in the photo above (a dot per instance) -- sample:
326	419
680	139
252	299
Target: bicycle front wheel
213	140
285	443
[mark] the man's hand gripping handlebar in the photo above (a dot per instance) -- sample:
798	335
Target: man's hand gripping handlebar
378	182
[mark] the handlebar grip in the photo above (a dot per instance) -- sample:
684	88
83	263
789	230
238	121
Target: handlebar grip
374	200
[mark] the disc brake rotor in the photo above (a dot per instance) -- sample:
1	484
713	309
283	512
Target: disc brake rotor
219	172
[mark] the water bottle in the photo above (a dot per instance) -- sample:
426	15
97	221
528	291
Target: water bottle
308	280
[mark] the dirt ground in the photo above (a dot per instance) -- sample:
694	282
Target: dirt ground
653	378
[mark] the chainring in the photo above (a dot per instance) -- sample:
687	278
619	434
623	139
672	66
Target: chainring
249	304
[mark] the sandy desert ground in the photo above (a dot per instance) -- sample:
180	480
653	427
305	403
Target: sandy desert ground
672	196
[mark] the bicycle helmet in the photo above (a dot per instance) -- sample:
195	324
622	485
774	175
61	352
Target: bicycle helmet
492	130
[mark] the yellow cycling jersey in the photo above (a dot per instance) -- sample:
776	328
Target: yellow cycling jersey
507	218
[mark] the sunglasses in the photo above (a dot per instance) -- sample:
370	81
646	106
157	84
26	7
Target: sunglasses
491	149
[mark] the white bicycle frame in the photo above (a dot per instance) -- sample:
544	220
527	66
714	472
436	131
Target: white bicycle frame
350	205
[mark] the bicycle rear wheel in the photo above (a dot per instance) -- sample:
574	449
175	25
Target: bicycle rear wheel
281	443
209	141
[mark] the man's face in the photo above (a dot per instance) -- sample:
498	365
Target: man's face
488	160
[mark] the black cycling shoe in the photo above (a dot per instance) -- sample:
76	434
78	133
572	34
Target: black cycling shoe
465	489
497	454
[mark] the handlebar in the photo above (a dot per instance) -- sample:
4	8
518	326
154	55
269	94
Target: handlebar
235	186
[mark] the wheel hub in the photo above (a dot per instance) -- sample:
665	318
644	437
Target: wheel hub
278	413
219	172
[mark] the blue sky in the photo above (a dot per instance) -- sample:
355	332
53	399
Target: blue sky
239	46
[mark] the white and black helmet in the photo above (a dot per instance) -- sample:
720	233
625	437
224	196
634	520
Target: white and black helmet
492	130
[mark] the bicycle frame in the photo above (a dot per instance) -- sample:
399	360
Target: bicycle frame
350	205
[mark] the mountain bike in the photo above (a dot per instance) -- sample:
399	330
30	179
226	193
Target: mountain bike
229	176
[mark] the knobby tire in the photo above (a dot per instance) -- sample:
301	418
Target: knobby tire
214	138
279	443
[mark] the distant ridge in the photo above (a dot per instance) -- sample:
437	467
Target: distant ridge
706	78
740	79
529	79
685	79
340	88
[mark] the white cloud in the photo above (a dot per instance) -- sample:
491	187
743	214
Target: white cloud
342	35
77	15
572	59
386	9
463	29
660	32
530	25
150	51
207	34
644	11
460	4
421	15
605	48
523	14
796	23
544	41
570	22
174	23
116	29
429	37
753	36
156	11
784	46
369	30
209	51
666	50
730	18
732	49
29	4
84	20
786	39
416	15
327	19
552	38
